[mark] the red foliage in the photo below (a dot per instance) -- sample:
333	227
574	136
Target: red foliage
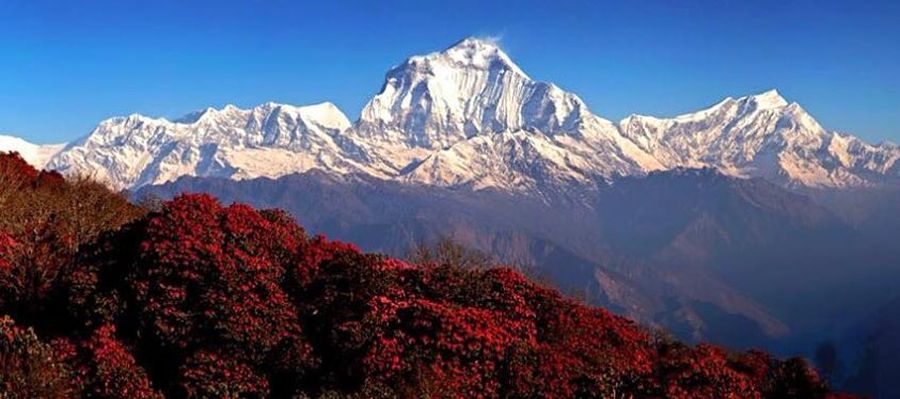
16	173
703	372
505	336
211	273
111	371
461	347
7	246
225	301
207	375
29	270
13	166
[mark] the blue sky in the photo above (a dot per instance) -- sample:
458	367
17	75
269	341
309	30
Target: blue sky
65	65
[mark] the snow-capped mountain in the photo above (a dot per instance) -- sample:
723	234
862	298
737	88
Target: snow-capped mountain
266	141
468	116
470	89
763	136
34	154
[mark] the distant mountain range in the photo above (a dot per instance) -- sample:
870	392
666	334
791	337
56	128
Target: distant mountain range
469	117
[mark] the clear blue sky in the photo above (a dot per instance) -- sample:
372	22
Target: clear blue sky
65	65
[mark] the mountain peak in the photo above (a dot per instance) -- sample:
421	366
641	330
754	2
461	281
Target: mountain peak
474	42
471	88
194	116
769	99
471	52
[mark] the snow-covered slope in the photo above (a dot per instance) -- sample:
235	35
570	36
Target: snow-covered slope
35	154
763	136
269	140
470	89
468	116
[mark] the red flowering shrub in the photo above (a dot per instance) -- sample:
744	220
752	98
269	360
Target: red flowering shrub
7	246
112	371
213	273
30	267
433	343
703	372
207	375
15	173
756	366
202	300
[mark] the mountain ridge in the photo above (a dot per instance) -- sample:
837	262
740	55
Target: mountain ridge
468	116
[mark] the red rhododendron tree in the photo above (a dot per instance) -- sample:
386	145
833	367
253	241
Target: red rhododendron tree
197	299
111	371
210	273
204	277
207	375
7	246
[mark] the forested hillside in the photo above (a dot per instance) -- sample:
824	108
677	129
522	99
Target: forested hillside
101	298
